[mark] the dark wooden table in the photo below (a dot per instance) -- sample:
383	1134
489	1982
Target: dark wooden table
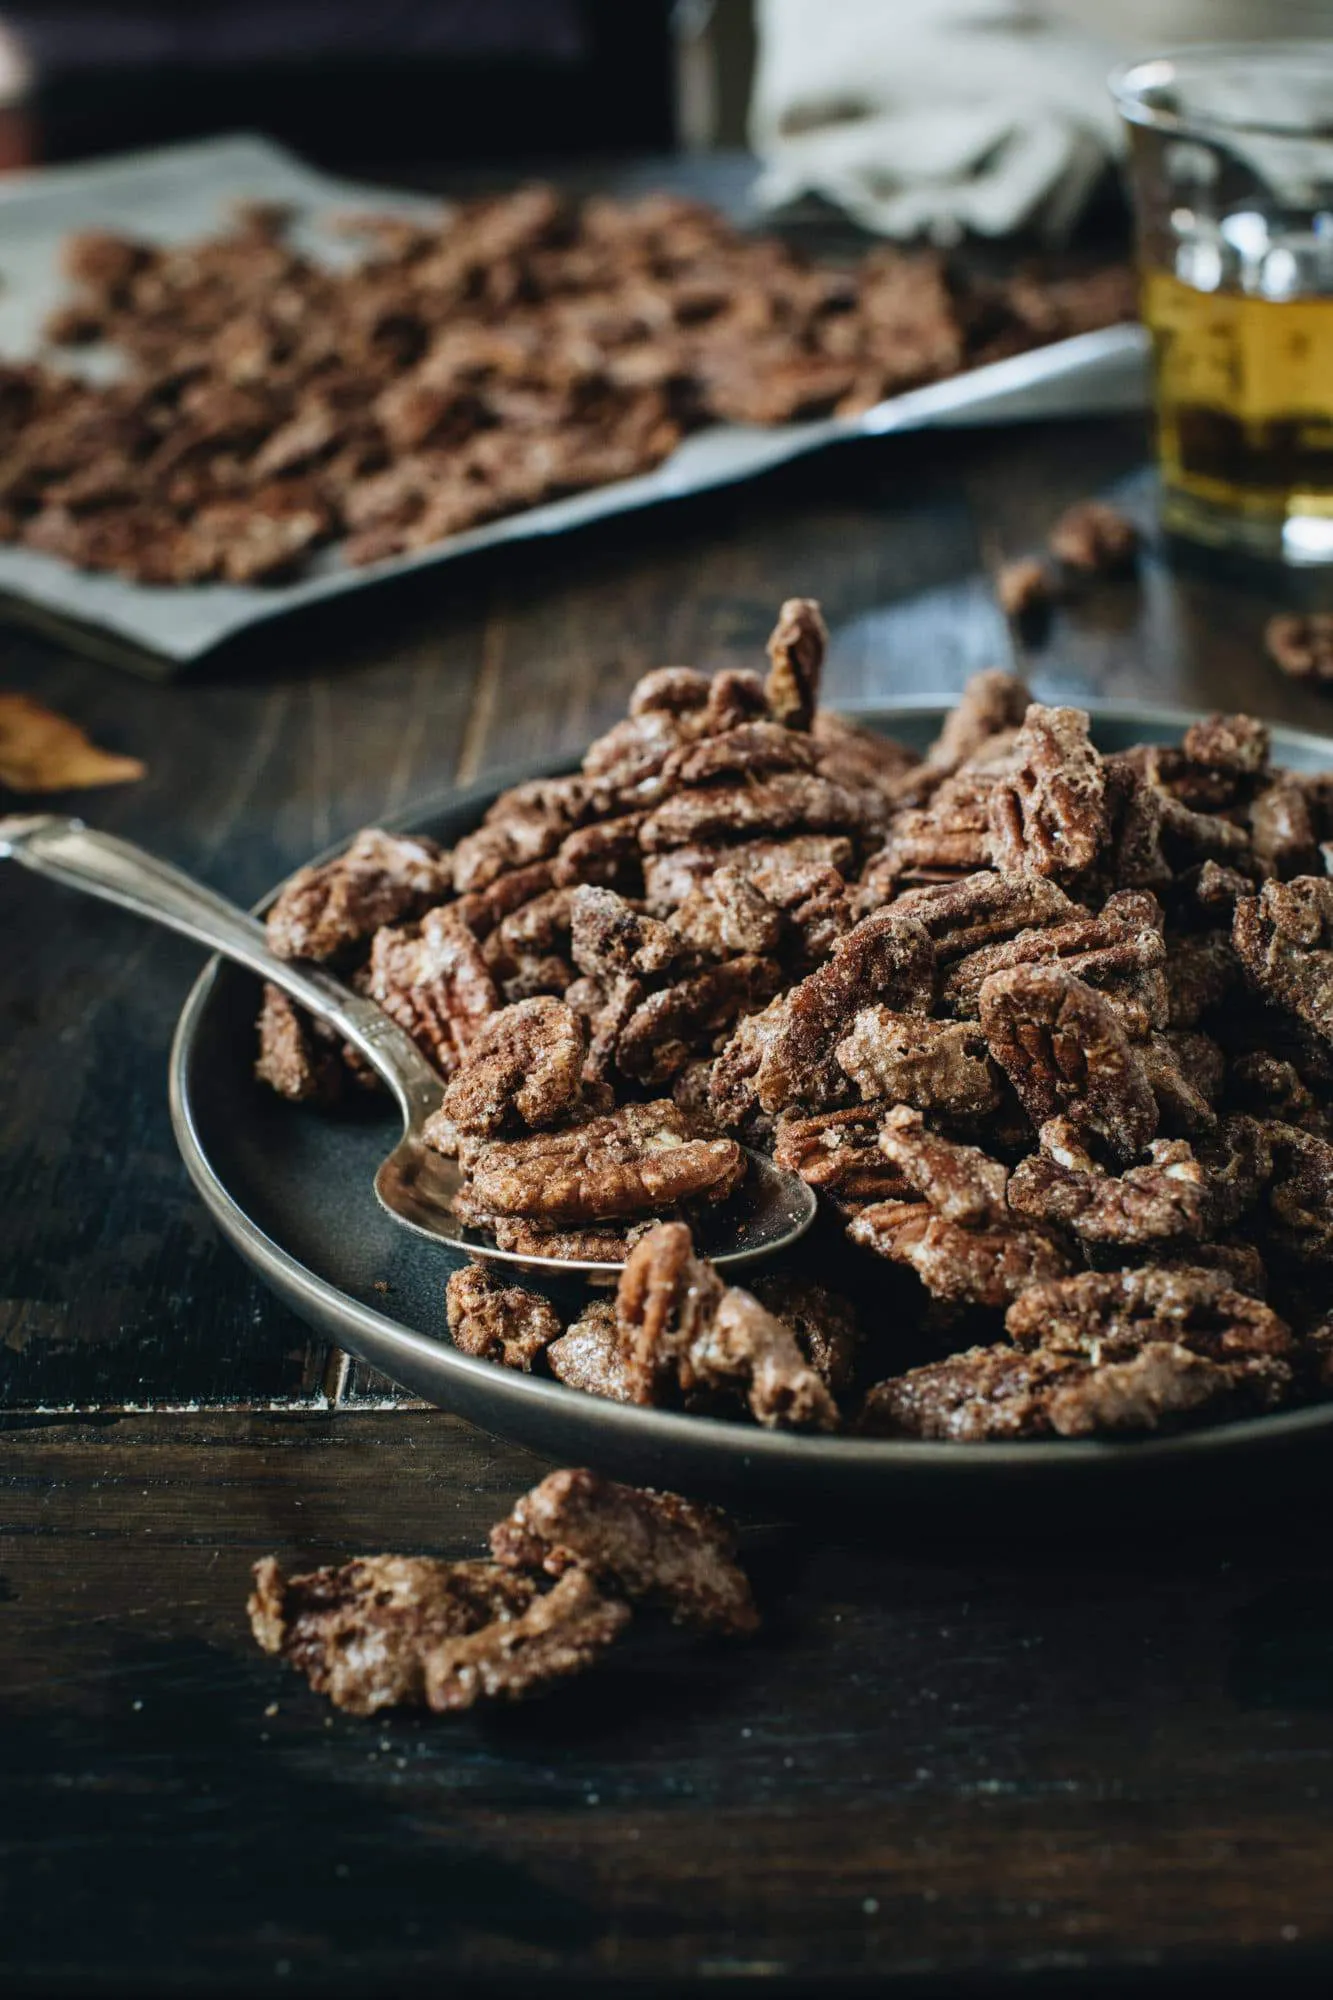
954	1758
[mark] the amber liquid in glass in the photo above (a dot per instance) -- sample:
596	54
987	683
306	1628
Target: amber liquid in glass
1245	414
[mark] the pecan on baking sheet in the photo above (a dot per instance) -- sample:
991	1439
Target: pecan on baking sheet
329	911
1063	1048
651	1546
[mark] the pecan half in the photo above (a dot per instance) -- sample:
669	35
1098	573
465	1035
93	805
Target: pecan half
324	912
498	1322
1064	1050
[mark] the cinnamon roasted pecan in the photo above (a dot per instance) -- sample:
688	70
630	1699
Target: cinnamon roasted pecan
635	1161
937	1066
991	704
825	1324
523	1069
587	1355
498	1322
325	912
1064	1050
653	1546
433	980
796	651
1063	1185
293	1058
839	1153
1114	1313
1095	538
1284	940
1048	810
1302	645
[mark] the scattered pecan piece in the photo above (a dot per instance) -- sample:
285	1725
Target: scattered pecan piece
1301	644
498	1322
382	878
653	1546
1095	538
371	1634
1064	1050
564	1632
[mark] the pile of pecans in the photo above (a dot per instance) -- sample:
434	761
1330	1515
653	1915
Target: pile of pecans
1050	1031
466	367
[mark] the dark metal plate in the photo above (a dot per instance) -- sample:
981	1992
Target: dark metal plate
292	1191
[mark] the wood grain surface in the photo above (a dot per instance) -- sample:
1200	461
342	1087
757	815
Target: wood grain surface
950	1762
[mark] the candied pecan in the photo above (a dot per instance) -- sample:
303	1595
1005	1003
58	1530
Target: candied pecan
962	1266
1232	743
752	749
1239	1160
326	911
1284	940
1112	1314
525	824
587	1356
1063	1185
726	914
1301	644
1048	812
853	755
669	691
825	1324
983	909
522	1069
1271	1087
1201	971
669	878
1300	1198
665	1297
735	696
839	1153
1094	538
960	1182
486	910
886	957
1000	1393
938	1066
651	1546
367	1634
678	1326
292	1059
606	853
667	1027
597	1243
562	1633
610	938
640	1158
627	762
789	802
1282	831
1185	1072
498	1322
1120	952
990	704
796	650
1064	1050
432	979
949	835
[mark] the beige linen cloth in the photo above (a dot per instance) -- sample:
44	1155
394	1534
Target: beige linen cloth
940	117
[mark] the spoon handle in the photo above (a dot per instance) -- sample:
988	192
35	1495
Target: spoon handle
68	851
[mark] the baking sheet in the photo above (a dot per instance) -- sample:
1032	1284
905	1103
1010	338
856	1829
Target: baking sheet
185	191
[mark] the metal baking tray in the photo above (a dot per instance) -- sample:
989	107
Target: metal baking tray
184	191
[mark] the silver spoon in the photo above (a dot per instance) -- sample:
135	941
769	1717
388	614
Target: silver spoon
416	1185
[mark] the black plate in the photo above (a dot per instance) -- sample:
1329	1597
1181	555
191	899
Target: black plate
291	1189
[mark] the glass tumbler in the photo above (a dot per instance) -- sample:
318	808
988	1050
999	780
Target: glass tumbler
1231	160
